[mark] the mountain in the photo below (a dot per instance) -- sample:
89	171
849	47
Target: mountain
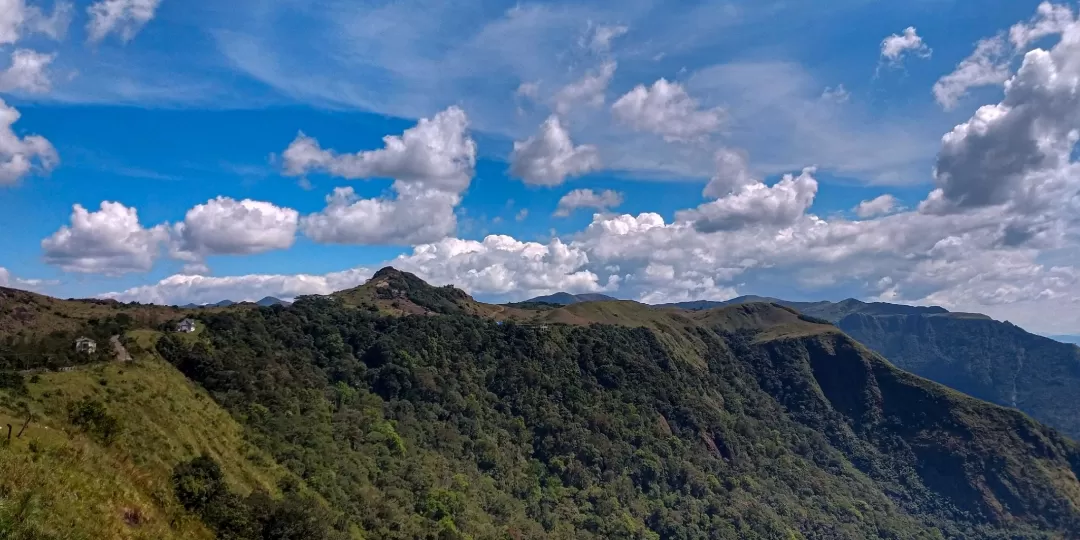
1073	340
414	411
271	301
565	299
991	360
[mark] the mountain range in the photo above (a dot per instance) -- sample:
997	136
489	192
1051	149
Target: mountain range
265	302
401	410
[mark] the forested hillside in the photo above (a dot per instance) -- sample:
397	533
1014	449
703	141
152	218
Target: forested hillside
991	360
412	411
455	426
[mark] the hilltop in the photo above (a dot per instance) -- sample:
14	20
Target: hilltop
565	299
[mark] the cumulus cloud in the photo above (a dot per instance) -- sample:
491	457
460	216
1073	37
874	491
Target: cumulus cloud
587	198
431	163
897	46
110	241
417	215
550	157
589	90
884	204
437	153
27	72
779	205
122	17
21	156
732	173
667	110
987	66
181	289
224	226
1018	151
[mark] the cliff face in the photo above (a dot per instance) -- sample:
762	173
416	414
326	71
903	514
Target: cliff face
995	361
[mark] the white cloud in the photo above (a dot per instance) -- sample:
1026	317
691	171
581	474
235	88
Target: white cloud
181	289
1050	19
501	265
415	216
884	204
589	90
27	72
550	157
522	215
224	226
21	156
9	280
732	173
988	65
431	163
779	205
529	90
667	110
17	19
110	241
124	17
587	198
1018	151
895	47
837	94
437	153
603	35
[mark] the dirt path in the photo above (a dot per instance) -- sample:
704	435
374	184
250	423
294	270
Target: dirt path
121	353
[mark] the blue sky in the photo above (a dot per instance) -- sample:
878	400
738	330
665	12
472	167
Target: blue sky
158	106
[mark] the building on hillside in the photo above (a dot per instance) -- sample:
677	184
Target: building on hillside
187	326
85	345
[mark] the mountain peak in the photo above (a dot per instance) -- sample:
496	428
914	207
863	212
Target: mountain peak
389	271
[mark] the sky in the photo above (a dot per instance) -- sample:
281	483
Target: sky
916	152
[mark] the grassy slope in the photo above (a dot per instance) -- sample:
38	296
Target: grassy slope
58	483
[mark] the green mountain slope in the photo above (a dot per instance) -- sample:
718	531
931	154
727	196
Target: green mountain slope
995	361
79	477
616	420
991	360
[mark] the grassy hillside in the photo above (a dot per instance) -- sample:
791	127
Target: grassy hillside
64	481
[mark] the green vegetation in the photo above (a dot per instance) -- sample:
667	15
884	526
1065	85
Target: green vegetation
451	426
201	488
995	361
397	410
96	459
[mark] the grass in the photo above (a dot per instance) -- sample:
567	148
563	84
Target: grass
55	480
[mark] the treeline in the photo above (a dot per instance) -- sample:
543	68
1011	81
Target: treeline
200	487
57	348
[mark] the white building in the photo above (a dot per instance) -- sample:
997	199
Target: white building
186	326
85	345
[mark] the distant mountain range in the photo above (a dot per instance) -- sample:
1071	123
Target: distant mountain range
991	360
1073	340
265	302
566	299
